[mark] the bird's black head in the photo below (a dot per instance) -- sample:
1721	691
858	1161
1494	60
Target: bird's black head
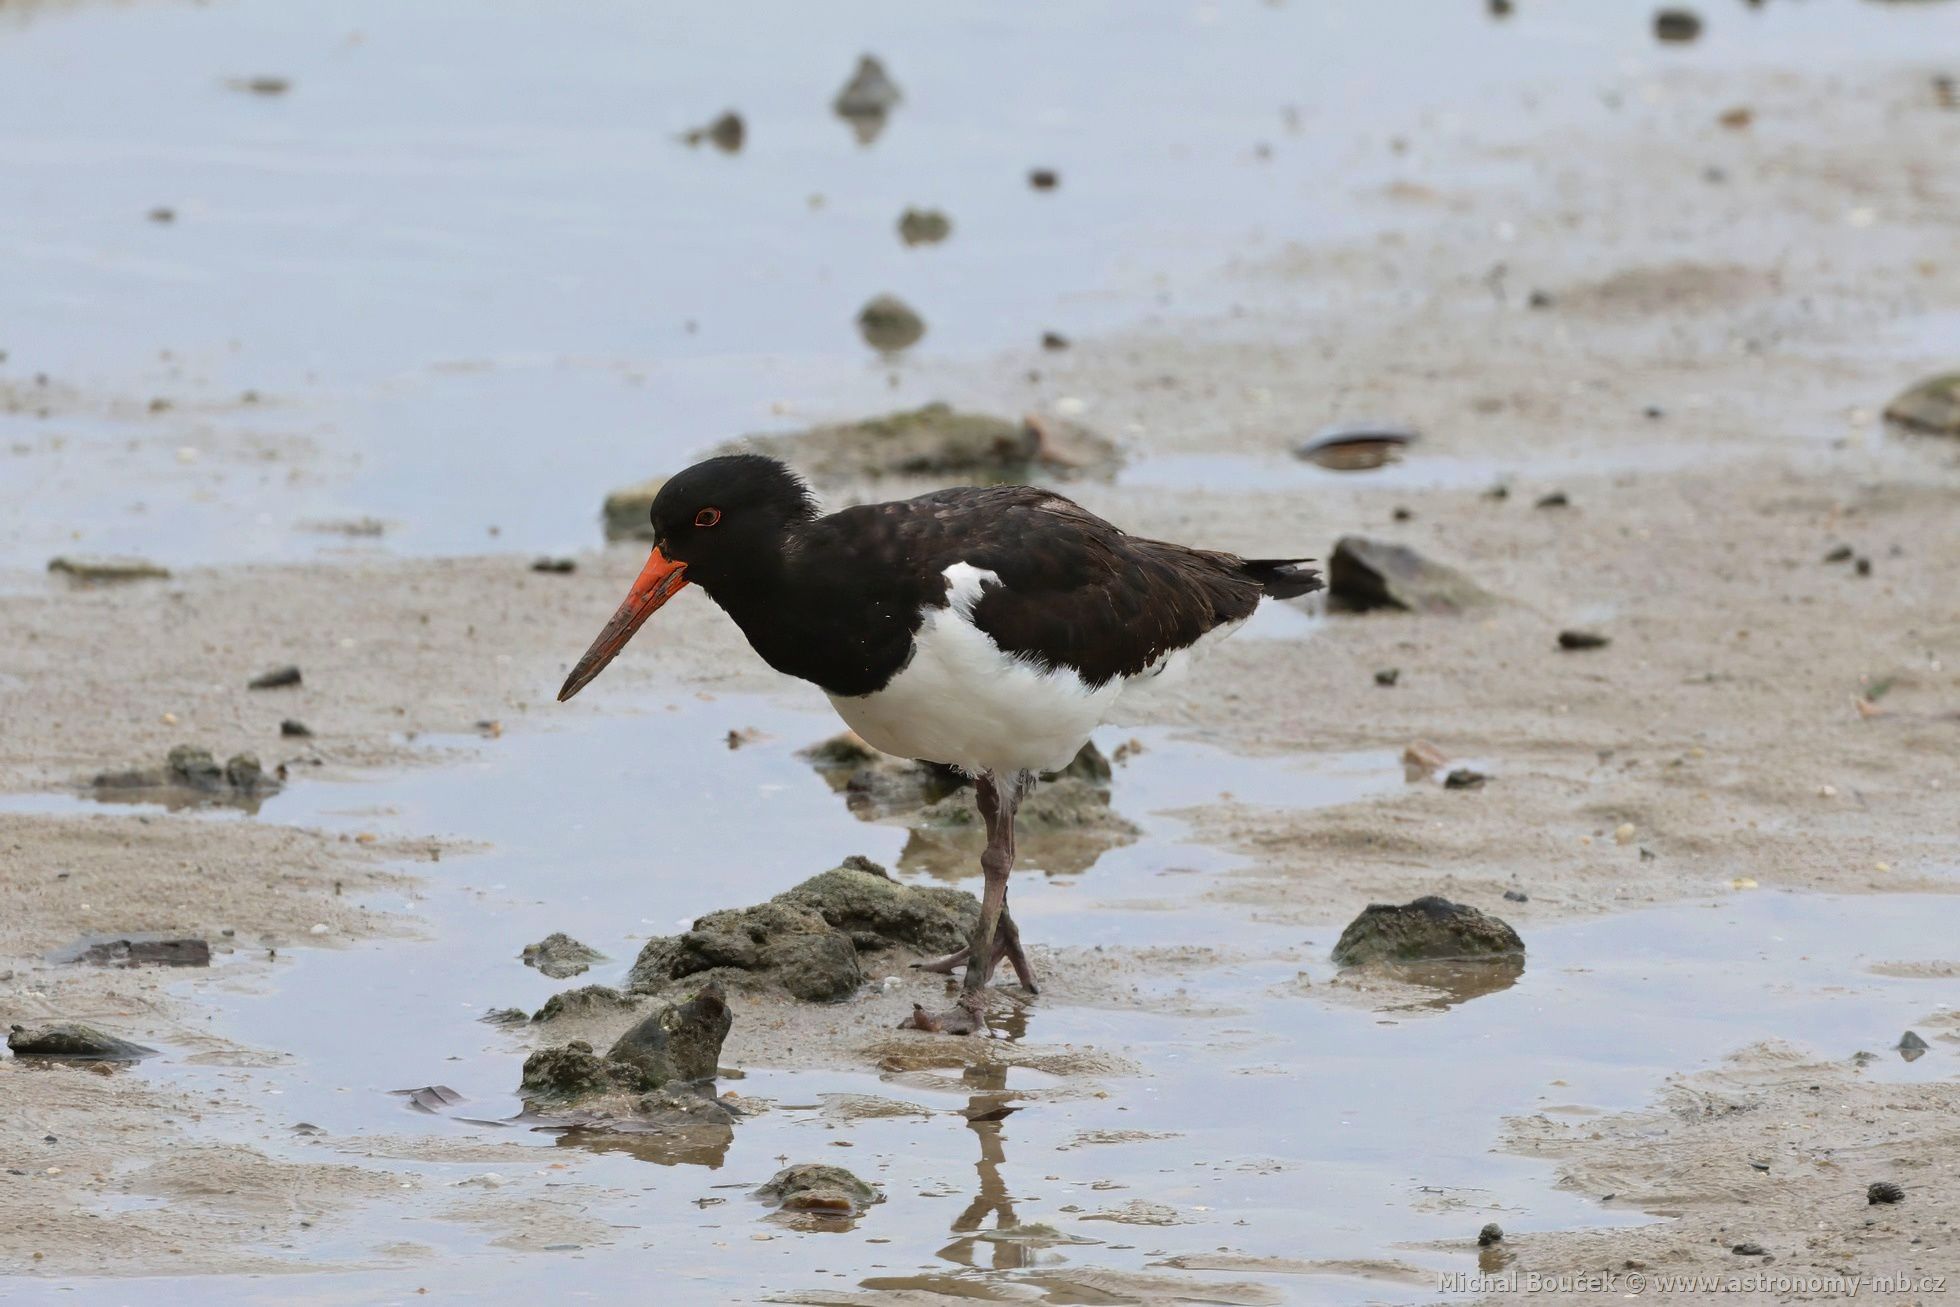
724	519
720	524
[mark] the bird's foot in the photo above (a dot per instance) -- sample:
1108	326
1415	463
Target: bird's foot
1007	945
966	1017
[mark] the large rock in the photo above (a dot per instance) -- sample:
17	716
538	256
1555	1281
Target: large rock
75	1042
1364	574
679	1042
806	941
1427	930
677	1045
559	956
1933	405
878	913
820	1189
938	441
190	774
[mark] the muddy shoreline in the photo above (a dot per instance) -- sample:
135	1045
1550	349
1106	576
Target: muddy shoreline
1767	732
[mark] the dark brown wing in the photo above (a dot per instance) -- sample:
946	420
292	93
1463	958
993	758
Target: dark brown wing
1074	590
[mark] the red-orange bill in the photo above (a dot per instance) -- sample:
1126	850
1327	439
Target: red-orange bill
660	580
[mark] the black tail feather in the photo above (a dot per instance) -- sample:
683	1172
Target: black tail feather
1282	578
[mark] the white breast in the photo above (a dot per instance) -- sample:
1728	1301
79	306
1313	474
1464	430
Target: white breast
963	701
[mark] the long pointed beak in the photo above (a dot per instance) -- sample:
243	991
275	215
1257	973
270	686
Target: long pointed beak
660	580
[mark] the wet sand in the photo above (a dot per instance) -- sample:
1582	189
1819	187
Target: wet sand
1777	731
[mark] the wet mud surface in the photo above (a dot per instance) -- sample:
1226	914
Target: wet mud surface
1648	342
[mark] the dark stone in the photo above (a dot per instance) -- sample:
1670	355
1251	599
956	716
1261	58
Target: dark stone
1911	1047
726	133
681	1041
815	1187
871	93
861	899
1517	896
1863	566
1388	676
1044	179
74	1041
505	1016
1364	574
107	570
139	951
194	768
555	566
294	729
1430	928
1490	1234
889	324
1054	341
1575	640
1556	499
924	226
276	679
1464	778
1884	1191
1749	1249
585	1001
1840	554
560	956
1677	25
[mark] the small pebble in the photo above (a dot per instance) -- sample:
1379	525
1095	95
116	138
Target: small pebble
1556	499
317	928
1884	1191
1490	1234
1575	639
295	729
1388	676
1517	896
276	679
1748	1250
1463	778
1623	833
1044	179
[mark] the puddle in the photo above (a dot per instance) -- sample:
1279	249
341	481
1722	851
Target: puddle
1260	1117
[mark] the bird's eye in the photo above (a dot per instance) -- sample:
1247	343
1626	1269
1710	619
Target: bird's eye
707	517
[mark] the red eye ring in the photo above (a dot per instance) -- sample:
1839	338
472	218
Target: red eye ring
707	517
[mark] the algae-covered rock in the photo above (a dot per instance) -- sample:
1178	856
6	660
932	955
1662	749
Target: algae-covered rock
585	1001
1429	929
889	324
806	941
565	1073
1933	406
559	956
679	1044
819	1188
106	571
940	442
861	899
191	775
1364	574
924	226
74	1041
681	1041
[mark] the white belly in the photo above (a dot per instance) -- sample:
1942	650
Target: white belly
963	702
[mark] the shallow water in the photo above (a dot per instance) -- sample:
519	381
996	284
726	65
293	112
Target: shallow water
1272	1118
471	281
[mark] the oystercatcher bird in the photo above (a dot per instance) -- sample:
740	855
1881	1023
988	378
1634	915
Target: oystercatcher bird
990	628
